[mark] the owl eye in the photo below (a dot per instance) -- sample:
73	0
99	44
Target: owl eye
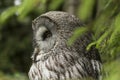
46	35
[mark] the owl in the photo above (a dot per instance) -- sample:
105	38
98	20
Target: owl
53	58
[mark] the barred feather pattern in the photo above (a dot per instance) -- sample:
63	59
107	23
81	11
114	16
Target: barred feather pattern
59	68
65	65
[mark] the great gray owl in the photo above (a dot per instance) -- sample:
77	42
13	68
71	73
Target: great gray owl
53	59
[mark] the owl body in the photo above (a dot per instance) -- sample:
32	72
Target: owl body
53	59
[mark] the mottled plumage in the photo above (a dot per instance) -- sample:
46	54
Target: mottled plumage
53	59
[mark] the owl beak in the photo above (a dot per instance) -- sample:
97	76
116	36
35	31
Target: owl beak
35	53
33	25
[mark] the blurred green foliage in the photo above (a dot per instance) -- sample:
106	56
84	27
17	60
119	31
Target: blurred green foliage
78	32
85	9
106	28
16	76
101	16
112	69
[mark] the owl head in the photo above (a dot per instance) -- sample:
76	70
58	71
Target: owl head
52	29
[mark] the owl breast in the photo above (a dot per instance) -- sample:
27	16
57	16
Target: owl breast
62	67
